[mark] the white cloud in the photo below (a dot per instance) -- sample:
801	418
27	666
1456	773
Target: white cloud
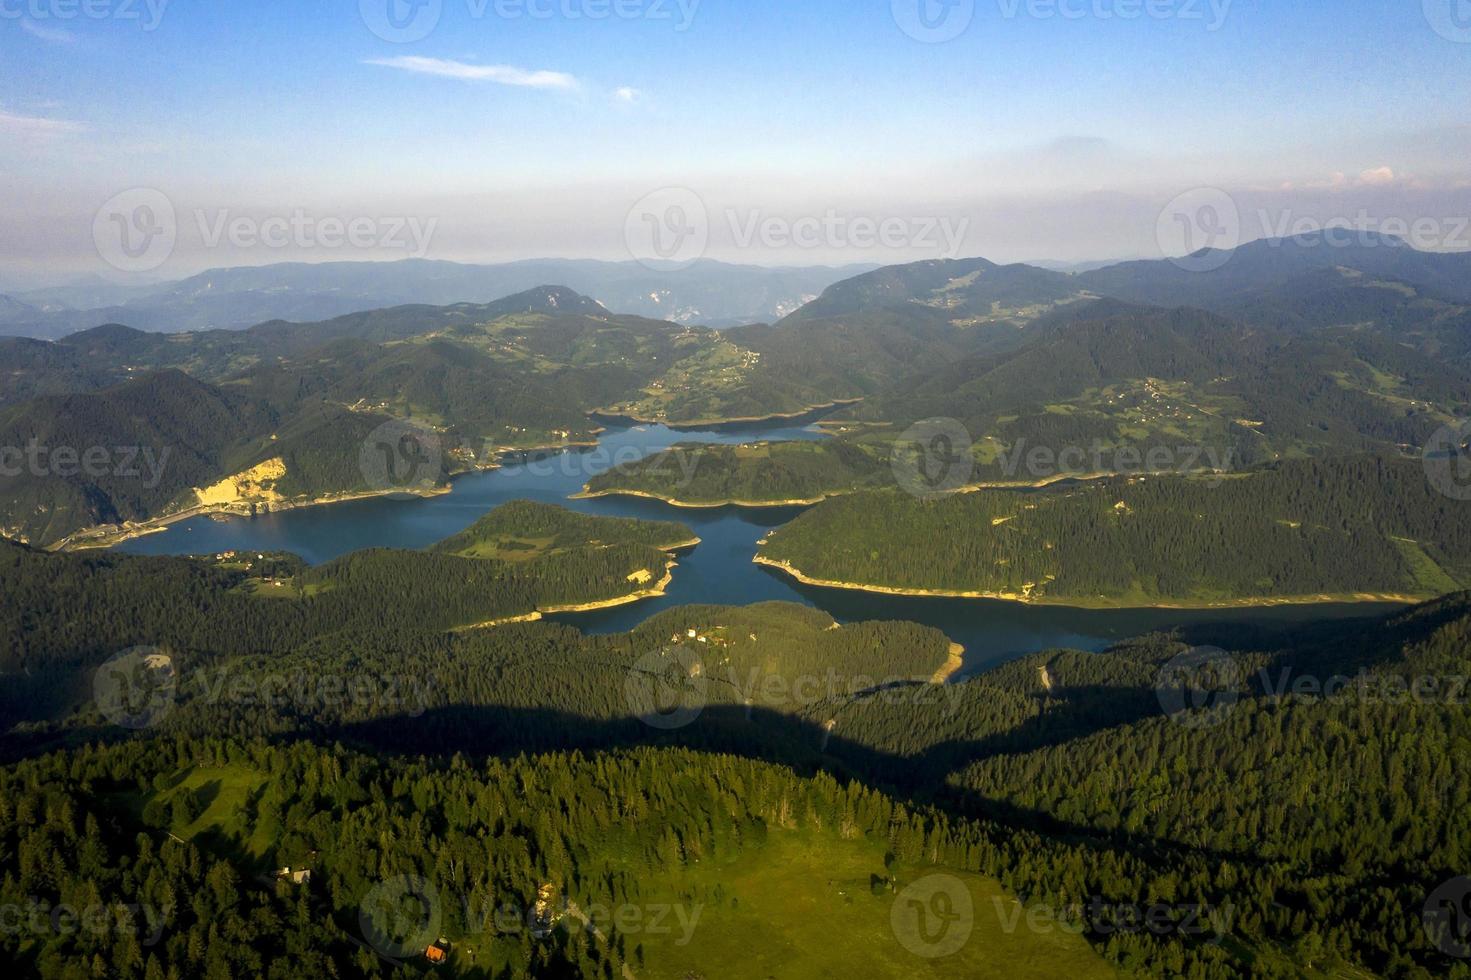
497	74
35	125
56	35
1339	181
626	95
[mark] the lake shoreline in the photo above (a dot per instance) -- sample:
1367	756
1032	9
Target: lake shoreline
954	664
100	537
586	494
716	425
654	591
1347	598
1019	486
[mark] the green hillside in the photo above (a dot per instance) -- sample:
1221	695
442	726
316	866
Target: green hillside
756	473
522	530
1290	531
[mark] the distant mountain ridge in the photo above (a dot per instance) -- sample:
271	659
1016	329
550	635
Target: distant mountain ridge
10	307
1270	262
976	289
708	293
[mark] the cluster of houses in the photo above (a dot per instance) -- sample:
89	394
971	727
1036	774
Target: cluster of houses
715	637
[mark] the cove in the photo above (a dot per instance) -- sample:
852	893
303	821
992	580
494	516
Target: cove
719	571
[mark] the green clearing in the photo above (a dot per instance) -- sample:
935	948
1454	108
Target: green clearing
786	903
1432	579
222	799
773	911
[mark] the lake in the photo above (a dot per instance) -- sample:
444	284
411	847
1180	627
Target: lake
719	571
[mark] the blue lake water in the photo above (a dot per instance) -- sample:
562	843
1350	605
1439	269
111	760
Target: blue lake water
719	571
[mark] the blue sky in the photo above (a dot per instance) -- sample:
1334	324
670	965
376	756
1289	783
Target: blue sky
1056	135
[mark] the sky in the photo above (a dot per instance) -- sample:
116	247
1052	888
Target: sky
208	133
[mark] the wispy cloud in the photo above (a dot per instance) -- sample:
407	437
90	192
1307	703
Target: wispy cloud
496	74
56	35
627	95
35	125
1377	177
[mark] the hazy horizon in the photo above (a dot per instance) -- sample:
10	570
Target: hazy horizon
832	134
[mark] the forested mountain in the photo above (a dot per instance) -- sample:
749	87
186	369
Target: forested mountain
150	448
964	291
1289	530
118	455
1148	377
1311	349
1098	387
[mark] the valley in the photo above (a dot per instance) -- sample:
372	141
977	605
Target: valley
666	490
